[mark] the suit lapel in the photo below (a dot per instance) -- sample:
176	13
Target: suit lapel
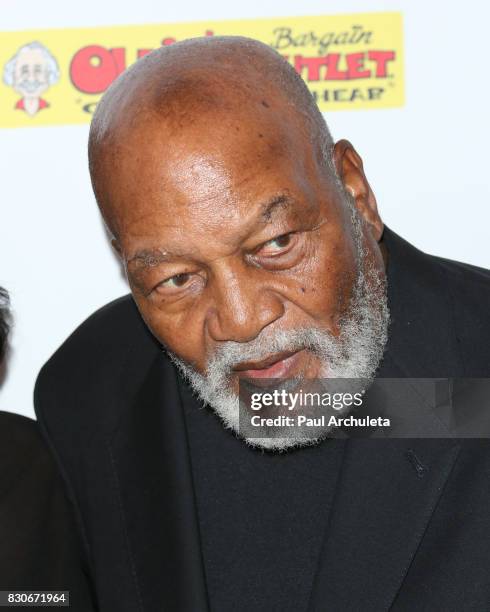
152	474
388	490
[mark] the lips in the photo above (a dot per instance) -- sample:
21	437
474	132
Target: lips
279	365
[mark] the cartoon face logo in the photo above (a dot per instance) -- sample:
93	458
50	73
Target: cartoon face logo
30	72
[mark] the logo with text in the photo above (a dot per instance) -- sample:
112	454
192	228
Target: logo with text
347	61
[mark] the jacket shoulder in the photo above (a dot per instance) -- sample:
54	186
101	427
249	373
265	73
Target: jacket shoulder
88	369
457	270
469	289
111	327
439	311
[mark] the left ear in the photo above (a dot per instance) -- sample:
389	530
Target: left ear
351	172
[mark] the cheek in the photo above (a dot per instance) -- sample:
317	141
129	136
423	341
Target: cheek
180	333
325	281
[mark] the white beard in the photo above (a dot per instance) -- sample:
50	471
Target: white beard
355	354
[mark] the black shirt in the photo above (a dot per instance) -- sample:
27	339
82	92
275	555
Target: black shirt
263	516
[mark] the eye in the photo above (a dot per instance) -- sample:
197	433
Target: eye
277	245
176	281
175	284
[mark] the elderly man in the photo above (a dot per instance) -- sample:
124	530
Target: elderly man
254	249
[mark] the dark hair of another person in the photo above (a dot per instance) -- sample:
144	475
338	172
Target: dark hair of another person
4	321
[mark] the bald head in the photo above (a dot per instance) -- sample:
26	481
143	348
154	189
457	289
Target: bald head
208	82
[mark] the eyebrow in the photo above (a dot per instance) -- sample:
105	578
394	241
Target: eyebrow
271	207
149	258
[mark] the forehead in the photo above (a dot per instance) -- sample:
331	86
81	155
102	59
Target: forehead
167	243
212	169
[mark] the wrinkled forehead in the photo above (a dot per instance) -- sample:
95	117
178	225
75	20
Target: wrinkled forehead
215	157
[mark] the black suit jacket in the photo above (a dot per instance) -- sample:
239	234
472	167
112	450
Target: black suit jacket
410	523
39	542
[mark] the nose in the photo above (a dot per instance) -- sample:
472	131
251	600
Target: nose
242	307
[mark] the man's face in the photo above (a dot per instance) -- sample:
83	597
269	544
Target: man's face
31	77
241	251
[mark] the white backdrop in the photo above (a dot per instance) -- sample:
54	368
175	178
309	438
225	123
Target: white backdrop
427	163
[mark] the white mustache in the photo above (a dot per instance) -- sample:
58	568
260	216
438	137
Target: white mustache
230	354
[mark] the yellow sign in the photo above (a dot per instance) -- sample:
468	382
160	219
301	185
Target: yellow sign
54	77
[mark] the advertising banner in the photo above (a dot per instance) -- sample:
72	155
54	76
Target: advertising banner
56	77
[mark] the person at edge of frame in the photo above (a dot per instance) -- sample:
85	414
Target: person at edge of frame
39	541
